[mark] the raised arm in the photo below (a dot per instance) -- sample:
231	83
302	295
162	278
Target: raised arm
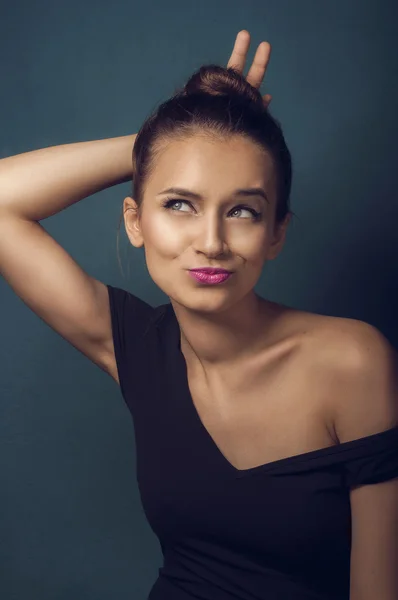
36	185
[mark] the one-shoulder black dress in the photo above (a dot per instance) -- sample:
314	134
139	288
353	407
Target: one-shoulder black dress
279	531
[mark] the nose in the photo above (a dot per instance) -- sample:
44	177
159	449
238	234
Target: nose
210	236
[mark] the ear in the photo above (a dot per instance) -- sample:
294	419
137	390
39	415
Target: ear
279	238
132	222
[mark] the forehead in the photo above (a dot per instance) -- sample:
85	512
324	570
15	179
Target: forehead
204	163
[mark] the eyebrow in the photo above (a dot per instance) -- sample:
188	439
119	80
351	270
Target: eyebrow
245	192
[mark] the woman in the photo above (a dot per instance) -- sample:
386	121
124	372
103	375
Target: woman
267	437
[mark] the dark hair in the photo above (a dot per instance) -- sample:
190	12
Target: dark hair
217	102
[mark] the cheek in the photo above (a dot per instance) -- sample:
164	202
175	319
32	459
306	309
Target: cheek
252	246
161	236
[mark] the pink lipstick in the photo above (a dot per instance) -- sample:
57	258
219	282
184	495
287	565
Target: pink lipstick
210	276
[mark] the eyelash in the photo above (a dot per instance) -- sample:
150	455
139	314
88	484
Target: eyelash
170	201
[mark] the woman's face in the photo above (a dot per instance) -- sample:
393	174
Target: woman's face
219	228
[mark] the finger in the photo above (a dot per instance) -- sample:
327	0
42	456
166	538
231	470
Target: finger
261	59
239	52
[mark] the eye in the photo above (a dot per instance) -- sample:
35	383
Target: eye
254	213
171	202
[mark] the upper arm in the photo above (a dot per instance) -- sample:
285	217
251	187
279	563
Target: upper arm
365	372
57	289
374	544
366	399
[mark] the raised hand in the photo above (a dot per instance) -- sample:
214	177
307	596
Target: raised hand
257	71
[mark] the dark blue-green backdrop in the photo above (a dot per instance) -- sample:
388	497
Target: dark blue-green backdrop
71	520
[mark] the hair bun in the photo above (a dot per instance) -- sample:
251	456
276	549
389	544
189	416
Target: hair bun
222	81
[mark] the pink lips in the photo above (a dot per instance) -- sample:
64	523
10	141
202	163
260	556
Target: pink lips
203	276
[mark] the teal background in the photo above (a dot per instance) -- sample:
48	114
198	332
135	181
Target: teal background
71	521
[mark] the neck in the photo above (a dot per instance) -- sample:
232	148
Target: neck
223	338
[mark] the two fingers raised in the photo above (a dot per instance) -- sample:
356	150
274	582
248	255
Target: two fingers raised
261	59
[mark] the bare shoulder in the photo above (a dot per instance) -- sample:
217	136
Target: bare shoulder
348	345
354	368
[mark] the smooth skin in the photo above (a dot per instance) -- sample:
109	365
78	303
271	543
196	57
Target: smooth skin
225	323
37	268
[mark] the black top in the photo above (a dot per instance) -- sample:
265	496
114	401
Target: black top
279	531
